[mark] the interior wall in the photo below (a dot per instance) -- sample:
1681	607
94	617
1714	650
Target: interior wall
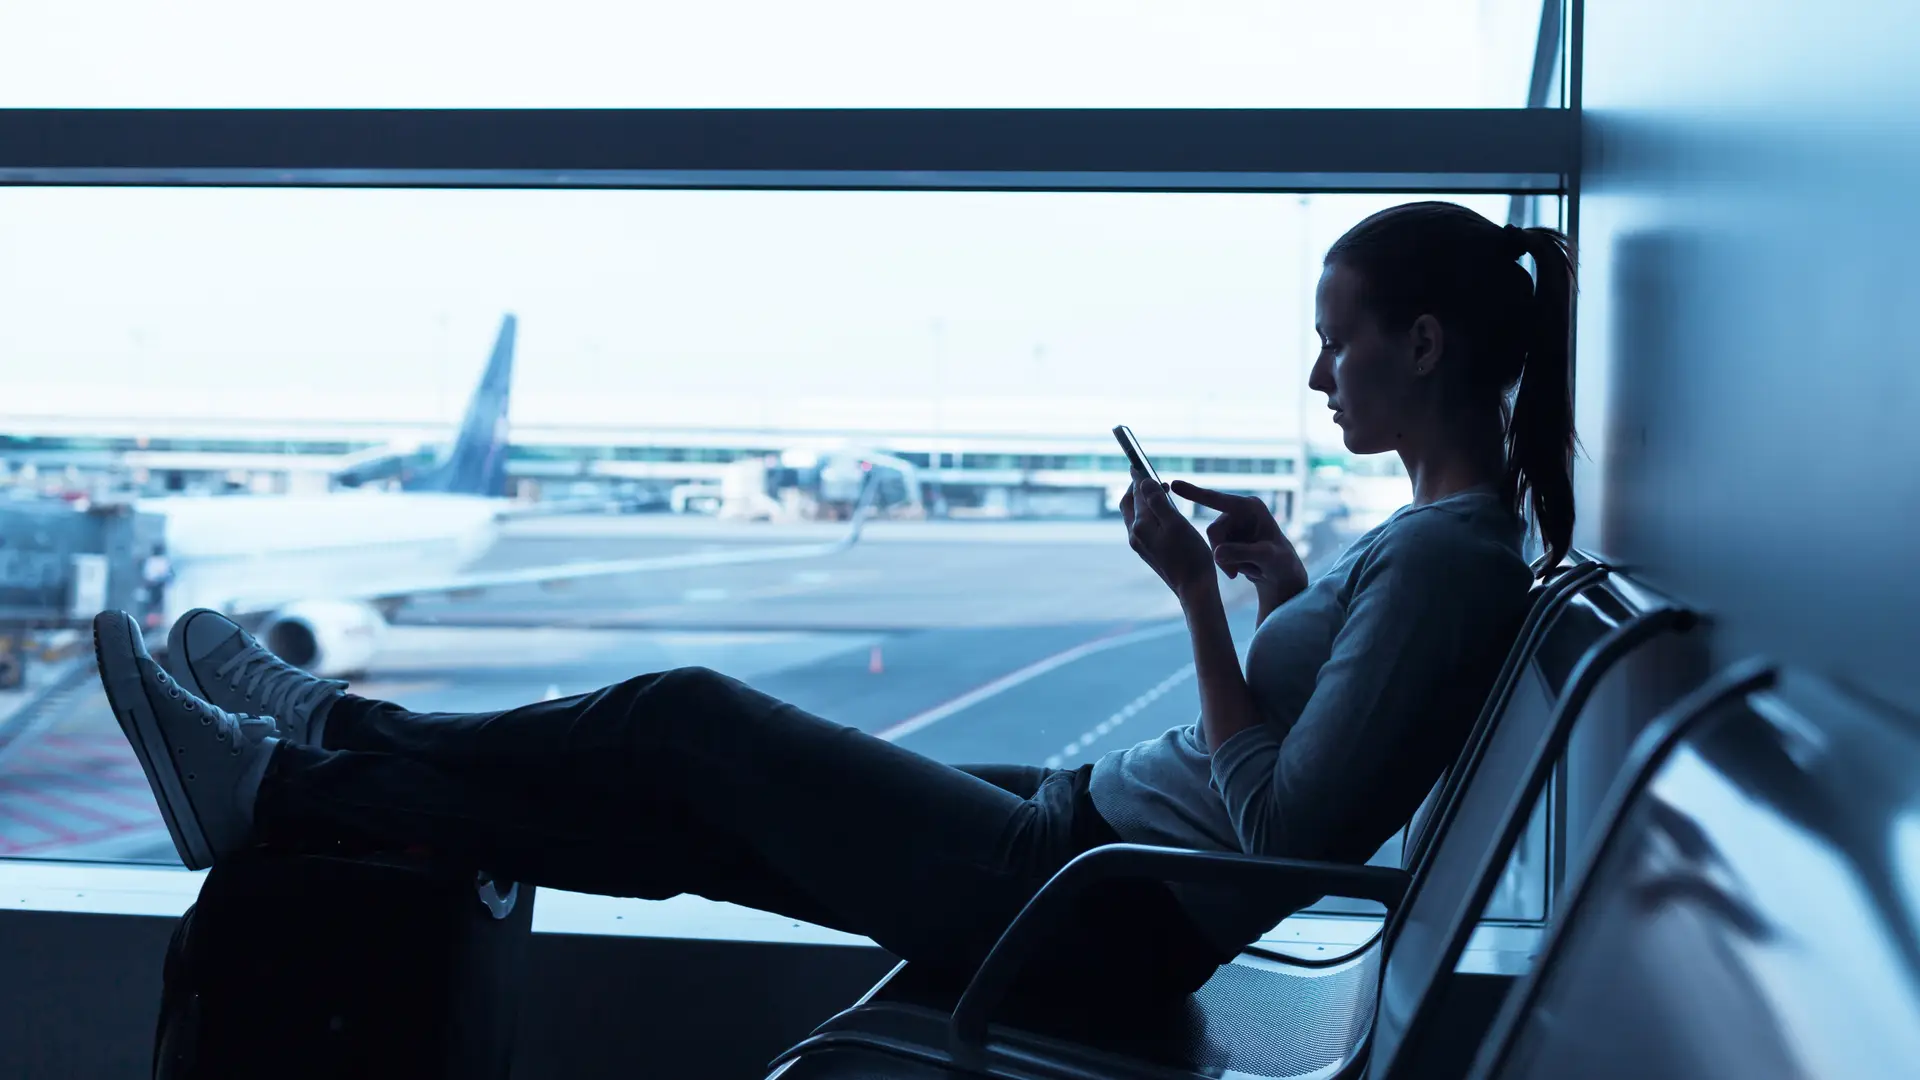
1748	385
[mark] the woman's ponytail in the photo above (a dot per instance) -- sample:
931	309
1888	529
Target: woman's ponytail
1540	440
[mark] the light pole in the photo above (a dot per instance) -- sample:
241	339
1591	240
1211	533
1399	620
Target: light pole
440	363
937	459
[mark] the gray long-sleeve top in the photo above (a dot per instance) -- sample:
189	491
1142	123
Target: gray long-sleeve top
1367	685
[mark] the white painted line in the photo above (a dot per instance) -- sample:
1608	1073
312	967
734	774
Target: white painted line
1159	691
1025	675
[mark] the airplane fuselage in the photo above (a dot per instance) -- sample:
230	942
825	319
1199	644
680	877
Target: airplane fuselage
239	552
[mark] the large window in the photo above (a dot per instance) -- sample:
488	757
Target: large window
693	359
768	53
841	254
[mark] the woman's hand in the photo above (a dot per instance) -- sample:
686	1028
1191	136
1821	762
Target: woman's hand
1248	543
1164	538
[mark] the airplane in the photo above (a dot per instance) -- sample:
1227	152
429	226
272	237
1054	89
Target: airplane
317	577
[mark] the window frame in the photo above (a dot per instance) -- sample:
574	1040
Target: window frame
1524	152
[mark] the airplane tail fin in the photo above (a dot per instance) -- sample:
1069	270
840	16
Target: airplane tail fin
477	463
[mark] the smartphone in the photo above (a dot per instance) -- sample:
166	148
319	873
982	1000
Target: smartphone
1131	445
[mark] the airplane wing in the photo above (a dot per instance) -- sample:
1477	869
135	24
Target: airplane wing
556	508
546	575
391	595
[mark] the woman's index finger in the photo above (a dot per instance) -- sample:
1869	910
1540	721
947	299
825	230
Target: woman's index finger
1207	497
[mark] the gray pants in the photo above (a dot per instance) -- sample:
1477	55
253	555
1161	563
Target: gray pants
688	781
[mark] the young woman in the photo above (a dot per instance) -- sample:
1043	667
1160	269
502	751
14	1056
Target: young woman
1358	691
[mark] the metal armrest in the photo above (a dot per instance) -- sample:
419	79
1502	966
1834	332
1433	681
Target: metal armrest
1385	885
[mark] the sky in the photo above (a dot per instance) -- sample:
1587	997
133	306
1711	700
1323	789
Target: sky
315	303
766	53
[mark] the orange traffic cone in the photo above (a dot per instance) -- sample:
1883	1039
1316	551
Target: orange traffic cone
874	664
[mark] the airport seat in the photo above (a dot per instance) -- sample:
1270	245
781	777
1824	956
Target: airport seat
1752	910
1549	596
1267	1014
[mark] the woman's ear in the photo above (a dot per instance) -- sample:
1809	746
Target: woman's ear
1427	339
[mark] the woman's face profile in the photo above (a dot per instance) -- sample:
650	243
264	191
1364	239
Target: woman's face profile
1368	373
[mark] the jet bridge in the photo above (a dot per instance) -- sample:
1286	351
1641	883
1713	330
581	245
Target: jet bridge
61	562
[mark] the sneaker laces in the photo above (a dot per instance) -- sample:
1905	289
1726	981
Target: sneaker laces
252	729
245	727
278	686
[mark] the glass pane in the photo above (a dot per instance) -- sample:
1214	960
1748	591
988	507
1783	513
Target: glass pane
767	53
695	374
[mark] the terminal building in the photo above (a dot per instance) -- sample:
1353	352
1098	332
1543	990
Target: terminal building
993	458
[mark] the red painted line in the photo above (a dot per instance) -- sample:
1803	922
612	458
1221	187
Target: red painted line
111	761
67	738
134	796
48	799
102	834
126	787
60	835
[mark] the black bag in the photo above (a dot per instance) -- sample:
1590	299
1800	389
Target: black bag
295	966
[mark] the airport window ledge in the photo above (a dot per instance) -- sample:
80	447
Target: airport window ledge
161	892
165	893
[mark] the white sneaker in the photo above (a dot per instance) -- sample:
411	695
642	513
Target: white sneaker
203	763
229	667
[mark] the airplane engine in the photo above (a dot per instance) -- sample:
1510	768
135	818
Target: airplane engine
330	638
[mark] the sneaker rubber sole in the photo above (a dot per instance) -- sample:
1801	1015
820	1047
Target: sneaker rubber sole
113	635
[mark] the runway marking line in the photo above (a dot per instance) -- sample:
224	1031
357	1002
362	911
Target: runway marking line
18	850
1112	640
1126	712
19	815
48	800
